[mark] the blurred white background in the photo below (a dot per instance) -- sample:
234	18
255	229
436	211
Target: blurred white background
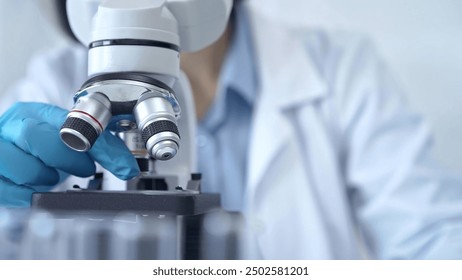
24	32
420	39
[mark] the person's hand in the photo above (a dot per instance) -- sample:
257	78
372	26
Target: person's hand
34	159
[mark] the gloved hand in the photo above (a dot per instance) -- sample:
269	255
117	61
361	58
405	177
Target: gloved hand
32	156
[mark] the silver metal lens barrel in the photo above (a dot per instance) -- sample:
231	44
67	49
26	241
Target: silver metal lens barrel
157	122
86	121
134	142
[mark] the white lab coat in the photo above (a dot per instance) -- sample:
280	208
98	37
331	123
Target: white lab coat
334	153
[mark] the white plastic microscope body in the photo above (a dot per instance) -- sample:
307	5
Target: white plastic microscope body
145	37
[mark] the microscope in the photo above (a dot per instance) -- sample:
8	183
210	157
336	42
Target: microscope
136	90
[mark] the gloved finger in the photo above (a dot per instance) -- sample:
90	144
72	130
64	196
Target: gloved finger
24	169
112	153
41	189
41	140
14	196
51	114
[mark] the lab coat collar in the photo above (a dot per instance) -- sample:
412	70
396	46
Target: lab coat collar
288	79
283	64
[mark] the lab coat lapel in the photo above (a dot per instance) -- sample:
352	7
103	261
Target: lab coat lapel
287	80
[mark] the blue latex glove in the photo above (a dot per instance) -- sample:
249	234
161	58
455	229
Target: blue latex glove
32	155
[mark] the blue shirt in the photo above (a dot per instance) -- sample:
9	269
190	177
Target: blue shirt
223	134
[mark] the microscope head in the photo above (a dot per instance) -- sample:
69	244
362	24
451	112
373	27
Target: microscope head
134	64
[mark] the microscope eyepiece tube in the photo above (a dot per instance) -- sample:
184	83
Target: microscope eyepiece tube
86	121
157	122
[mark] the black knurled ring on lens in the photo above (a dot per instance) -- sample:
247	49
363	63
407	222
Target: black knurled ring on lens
158	127
83	128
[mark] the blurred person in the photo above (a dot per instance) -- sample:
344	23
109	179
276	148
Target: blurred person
304	131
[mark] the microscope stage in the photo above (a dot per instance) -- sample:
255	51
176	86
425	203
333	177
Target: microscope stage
159	202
